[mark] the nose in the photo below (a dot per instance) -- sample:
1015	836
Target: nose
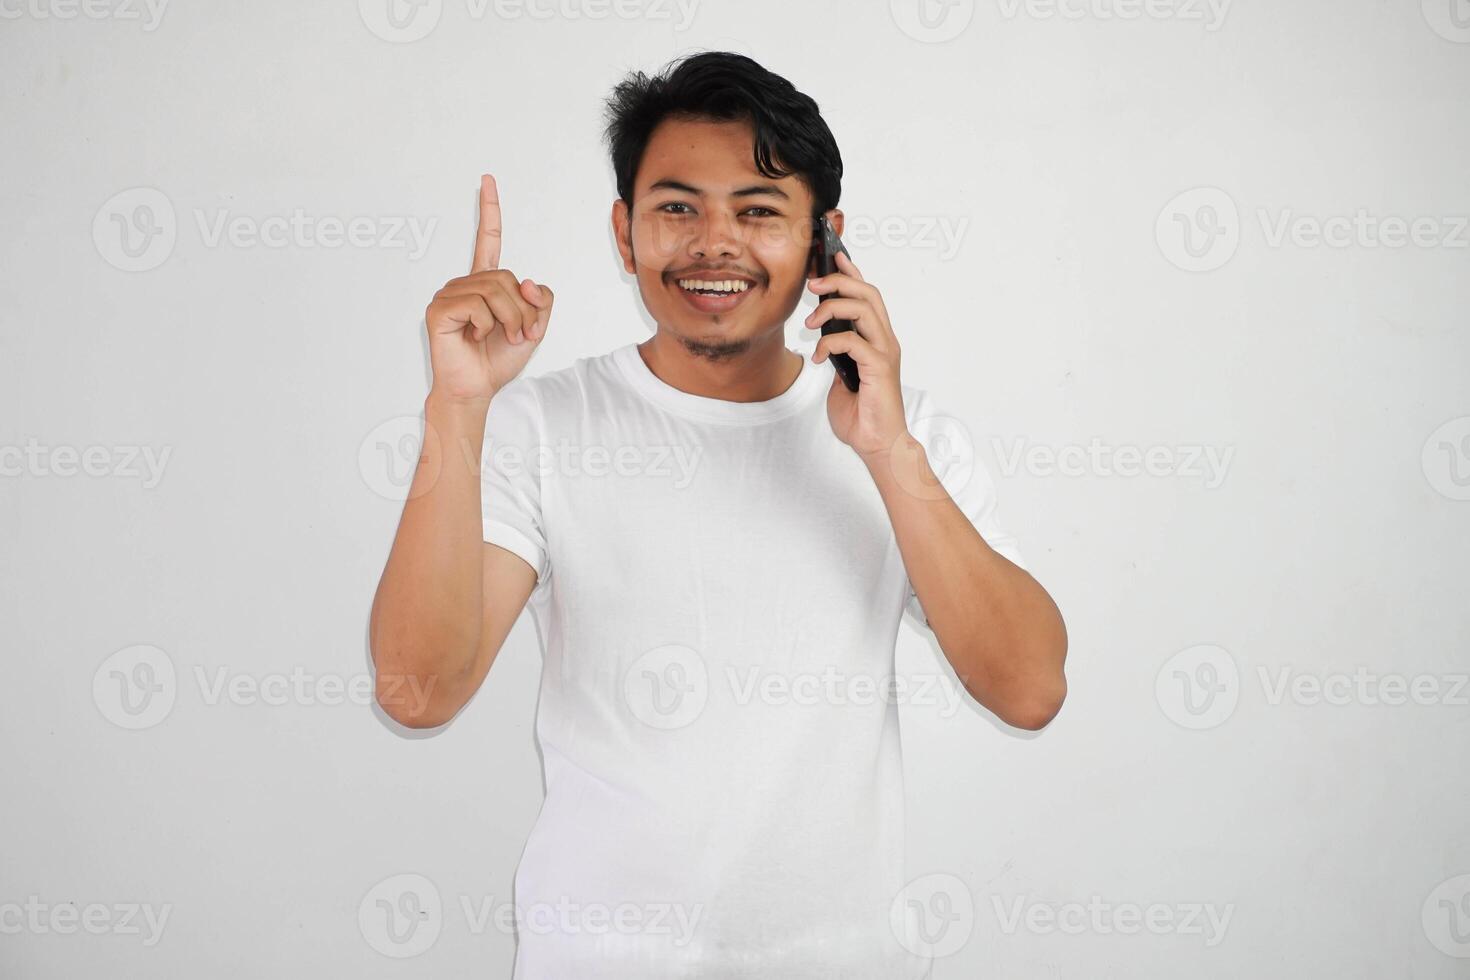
716	236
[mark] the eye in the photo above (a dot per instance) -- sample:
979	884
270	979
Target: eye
765	212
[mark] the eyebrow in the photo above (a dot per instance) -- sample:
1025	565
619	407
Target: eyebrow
751	191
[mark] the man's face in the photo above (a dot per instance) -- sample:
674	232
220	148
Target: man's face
702	212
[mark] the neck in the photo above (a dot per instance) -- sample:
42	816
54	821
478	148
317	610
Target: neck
756	371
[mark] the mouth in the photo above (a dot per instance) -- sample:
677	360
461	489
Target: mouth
714	295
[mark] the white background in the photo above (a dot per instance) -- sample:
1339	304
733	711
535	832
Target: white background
1329	378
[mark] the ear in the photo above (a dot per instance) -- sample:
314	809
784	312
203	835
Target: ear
813	229
622	226
835	216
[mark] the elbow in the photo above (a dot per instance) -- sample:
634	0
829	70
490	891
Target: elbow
1033	718
1037	707
1028	699
410	699
408	717
1041	700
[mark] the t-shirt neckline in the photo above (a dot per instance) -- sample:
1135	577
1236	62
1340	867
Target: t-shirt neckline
808	384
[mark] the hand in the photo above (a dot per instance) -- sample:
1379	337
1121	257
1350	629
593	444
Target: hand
483	327
870	420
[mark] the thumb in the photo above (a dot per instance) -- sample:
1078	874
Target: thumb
537	295
540	297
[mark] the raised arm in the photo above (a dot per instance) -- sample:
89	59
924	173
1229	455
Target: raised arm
447	599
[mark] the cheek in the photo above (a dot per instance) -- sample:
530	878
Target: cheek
782	255
656	240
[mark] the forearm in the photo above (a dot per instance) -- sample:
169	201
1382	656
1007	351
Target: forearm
996	625
425	622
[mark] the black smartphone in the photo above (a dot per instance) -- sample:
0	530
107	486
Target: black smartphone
825	246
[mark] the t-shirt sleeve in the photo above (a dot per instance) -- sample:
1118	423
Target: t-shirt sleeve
953	456
511	477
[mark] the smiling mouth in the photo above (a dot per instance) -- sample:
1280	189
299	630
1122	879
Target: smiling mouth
713	287
714	295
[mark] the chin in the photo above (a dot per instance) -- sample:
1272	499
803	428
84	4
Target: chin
710	340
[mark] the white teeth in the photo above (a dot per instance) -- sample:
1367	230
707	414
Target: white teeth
723	285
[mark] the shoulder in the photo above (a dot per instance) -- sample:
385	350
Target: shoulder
562	394
924	413
914	398
949	438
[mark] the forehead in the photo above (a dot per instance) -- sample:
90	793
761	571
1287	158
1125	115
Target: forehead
715	156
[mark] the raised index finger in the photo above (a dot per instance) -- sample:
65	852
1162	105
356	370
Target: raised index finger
487	236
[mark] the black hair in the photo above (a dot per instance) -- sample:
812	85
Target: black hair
722	85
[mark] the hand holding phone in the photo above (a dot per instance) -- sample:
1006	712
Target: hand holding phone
825	246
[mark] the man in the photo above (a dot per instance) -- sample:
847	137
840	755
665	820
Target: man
706	525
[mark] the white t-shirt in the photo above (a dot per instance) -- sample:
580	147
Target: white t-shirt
718	594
